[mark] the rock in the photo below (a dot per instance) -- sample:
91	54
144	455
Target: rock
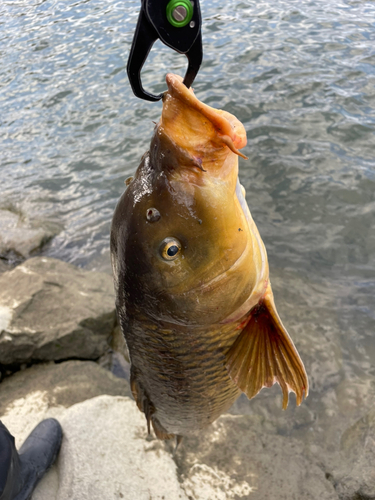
4	265
120	367
105	454
51	310
116	363
120	362
354	479
119	344
29	395
18	239
239	457
58	384
45	390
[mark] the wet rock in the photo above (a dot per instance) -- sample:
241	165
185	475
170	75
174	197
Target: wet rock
51	310
241	458
18	239
268	405
338	408
355	478
356	396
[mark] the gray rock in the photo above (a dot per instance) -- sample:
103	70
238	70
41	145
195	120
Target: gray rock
4	266
45	390
51	310
355	478
105	454
116	363
120	363
62	384
239	457
17	236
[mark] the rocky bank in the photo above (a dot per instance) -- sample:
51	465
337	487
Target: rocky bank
61	356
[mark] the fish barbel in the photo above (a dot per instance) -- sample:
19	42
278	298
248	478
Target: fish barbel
191	275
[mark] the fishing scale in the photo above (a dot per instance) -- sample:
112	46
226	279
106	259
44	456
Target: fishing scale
177	23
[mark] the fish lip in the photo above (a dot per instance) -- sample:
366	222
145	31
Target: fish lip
227	131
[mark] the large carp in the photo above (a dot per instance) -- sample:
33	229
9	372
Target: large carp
191	275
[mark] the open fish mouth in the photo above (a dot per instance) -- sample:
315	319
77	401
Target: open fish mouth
204	133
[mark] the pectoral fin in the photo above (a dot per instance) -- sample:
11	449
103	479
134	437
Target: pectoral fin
264	354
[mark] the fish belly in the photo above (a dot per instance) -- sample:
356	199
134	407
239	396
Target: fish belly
181	373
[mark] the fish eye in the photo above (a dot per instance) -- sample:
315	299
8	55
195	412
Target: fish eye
170	248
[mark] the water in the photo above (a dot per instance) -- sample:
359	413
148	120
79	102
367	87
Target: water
300	76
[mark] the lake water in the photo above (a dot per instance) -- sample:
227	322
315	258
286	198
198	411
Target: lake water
300	76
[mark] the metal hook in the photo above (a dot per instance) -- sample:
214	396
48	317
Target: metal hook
177	23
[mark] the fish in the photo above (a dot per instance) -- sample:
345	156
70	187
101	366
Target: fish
191	276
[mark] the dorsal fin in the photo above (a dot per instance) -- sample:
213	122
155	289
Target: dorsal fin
264	354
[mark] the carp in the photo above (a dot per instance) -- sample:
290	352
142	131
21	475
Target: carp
191	276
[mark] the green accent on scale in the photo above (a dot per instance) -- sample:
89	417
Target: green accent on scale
171	8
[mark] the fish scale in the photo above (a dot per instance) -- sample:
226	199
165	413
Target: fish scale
174	375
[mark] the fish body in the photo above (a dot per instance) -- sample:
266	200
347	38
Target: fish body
191	275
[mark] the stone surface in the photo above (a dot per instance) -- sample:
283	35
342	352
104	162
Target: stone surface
265	454
45	390
106	452
57	384
5	265
105	455
51	310
18	238
240	458
117	359
354	479
116	363
29	395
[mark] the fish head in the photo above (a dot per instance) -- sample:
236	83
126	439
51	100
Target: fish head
181	239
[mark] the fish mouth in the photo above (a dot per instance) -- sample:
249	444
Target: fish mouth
205	133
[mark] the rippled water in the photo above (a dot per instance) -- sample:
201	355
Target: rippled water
299	75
